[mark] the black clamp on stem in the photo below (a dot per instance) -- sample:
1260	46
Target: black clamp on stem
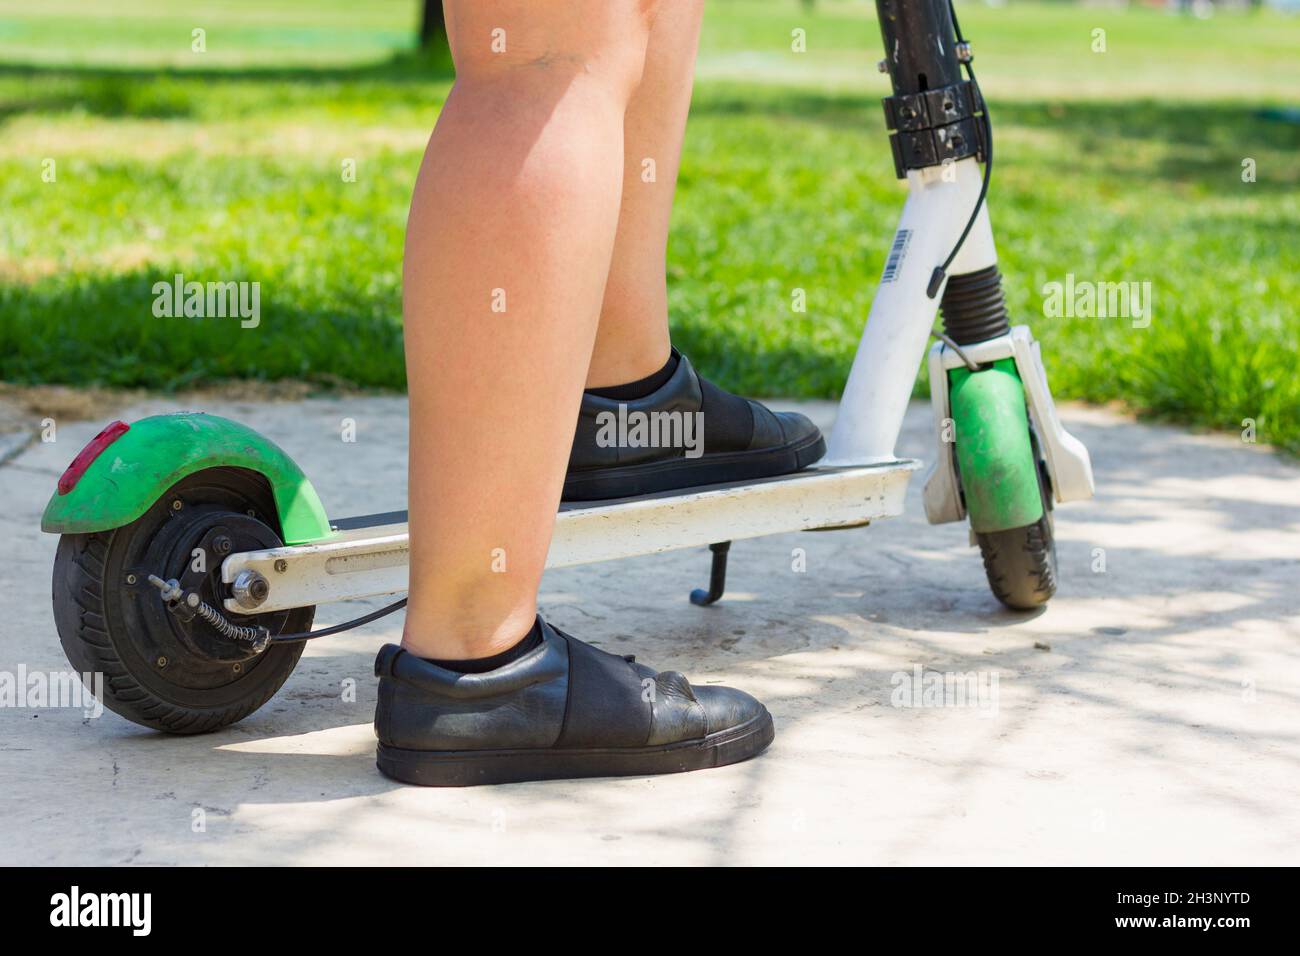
932	126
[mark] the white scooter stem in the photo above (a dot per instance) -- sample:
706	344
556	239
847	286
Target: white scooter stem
939	203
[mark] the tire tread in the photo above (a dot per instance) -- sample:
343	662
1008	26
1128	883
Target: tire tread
1020	564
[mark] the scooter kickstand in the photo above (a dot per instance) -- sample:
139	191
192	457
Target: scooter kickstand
717	576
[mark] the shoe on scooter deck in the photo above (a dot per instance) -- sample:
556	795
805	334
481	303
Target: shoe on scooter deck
684	434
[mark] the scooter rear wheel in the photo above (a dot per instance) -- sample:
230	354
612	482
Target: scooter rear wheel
159	671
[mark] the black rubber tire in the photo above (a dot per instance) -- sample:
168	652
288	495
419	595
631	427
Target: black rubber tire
88	612
1020	563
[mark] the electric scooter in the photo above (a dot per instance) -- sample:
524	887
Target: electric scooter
194	551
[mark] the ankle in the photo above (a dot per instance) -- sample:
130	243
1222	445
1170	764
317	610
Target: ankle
466	636
632	366
643	387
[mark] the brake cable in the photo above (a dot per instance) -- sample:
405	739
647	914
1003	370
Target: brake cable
188	605
338	628
948	342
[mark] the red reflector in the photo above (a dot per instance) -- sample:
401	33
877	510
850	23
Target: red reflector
112	433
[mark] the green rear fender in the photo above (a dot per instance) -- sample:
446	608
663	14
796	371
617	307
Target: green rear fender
998	469
133	472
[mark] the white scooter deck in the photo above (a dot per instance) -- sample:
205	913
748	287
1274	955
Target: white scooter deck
368	556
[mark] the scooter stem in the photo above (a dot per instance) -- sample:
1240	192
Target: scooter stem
898	326
936	140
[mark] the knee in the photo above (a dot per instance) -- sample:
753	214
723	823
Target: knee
603	41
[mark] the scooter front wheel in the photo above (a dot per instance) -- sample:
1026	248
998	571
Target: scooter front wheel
157	669
1021	563
1004	485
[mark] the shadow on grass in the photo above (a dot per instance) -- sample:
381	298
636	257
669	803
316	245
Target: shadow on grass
1219	135
402	66
160	94
102	331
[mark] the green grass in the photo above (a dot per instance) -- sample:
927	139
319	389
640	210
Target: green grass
1120	166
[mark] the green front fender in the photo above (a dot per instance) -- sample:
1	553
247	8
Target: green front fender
136	469
995	459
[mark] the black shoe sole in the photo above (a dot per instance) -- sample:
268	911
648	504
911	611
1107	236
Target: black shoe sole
628	481
469	768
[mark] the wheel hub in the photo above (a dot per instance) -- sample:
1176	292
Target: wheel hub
191	548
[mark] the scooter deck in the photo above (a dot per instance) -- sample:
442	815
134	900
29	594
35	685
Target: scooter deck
367	555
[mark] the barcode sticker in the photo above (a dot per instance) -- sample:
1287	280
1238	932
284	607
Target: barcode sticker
896	253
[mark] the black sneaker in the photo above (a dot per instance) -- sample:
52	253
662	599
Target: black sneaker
687	433
565	709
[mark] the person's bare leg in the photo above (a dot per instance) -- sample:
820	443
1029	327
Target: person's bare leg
511	231
632	338
723	437
519	197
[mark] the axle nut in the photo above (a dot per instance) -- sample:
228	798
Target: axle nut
250	589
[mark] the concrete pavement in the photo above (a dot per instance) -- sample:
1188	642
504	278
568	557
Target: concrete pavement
1150	715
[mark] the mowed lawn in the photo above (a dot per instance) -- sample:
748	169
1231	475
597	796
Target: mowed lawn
1116	166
